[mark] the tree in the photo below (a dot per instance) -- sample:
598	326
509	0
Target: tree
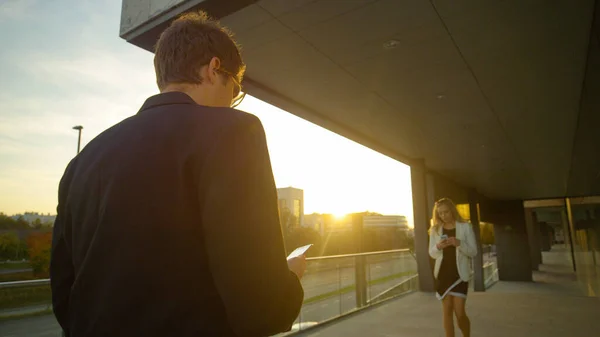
302	236
48	224
10	246
22	223
7	222
406	240
39	246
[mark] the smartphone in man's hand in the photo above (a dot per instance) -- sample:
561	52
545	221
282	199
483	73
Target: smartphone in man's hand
297	261
299	251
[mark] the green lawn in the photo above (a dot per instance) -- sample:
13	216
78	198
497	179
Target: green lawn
28	275
13	266
27	315
352	287
24	296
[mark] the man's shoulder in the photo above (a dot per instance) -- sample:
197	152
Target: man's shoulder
231	120
192	120
235	117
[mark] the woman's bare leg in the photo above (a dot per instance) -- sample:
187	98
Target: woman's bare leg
464	324
448	305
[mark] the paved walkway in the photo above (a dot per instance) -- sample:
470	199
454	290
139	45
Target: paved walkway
556	304
492	315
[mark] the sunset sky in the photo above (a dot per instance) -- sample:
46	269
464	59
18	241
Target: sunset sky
63	64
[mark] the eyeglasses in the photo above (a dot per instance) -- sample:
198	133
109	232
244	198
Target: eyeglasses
238	94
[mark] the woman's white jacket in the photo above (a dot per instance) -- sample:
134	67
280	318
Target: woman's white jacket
464	252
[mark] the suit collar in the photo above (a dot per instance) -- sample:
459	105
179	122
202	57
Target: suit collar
168	98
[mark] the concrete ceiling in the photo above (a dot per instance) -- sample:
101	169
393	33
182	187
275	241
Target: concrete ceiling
502	96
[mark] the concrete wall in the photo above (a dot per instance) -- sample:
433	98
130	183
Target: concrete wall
534	237
446	188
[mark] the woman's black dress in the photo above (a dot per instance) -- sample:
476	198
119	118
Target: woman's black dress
448	280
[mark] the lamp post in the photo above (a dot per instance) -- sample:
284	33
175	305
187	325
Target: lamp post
78	128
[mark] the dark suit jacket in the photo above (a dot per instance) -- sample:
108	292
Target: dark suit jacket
168	226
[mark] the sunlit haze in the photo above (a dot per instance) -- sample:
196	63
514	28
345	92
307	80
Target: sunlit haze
73	69
337	175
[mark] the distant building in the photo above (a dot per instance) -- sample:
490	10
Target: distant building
371	221
380	232
30	217
314	221
292	200
381	221
319	222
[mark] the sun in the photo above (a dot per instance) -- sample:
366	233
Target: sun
339	215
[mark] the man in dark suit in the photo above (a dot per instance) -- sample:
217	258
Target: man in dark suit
168	222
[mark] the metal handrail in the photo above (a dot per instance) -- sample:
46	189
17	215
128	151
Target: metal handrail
27	283
383	252
39	282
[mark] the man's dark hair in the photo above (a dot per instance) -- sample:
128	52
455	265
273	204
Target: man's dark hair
189	43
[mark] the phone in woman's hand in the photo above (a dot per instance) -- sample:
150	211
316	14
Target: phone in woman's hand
444	237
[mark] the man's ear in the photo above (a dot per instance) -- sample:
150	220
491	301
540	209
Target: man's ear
213	66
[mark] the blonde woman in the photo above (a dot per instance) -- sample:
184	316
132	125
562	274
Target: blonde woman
452	245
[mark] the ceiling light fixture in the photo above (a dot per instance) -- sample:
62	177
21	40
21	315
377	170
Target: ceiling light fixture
391	44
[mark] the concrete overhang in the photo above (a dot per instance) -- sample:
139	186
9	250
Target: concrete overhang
501	96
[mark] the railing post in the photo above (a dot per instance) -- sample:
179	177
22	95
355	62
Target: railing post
359	261
361	281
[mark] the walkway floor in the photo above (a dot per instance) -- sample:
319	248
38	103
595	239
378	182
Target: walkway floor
554	305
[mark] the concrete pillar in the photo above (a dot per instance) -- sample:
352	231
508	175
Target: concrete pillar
478	281
512	243
546	235
533	234
421	223
430	187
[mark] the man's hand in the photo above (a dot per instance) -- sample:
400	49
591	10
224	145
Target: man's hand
297	265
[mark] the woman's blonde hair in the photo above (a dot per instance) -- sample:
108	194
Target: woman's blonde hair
436	221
